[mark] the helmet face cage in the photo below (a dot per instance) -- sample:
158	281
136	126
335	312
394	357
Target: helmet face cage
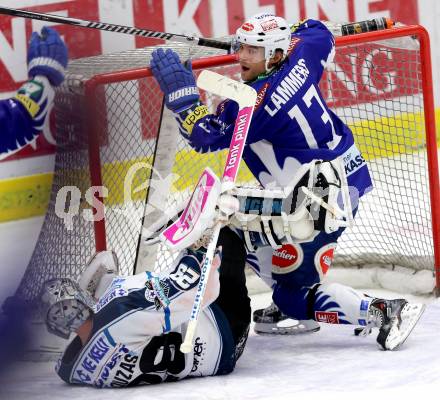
62	310
265	30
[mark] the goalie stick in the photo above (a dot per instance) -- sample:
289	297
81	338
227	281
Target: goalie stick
245	96
129	30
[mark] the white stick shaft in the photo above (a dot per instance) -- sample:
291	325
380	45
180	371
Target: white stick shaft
245	96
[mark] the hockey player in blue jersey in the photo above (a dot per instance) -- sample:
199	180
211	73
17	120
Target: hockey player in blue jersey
23	116
129	329
292	128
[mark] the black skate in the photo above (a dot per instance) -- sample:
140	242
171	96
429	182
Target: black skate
395	320
271	320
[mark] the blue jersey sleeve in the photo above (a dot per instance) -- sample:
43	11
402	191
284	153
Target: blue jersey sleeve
15	126
22	117
213	132
317	44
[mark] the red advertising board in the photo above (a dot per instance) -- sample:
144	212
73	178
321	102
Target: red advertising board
171	15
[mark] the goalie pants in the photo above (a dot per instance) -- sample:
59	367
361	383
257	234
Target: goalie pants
295	272
233	299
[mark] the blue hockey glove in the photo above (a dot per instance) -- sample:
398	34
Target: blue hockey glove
176	81
47	56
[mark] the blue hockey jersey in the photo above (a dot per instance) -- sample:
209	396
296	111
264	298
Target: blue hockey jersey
292	124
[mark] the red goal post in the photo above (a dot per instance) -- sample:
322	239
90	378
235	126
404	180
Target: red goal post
429	121
380	84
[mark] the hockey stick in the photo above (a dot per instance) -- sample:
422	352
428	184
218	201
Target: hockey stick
347	29
117	28
245	96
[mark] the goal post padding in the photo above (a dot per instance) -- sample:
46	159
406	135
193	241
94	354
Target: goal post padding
108	120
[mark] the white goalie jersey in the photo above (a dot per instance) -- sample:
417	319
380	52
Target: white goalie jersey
138	324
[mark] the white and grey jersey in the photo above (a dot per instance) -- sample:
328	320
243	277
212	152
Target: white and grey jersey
138	327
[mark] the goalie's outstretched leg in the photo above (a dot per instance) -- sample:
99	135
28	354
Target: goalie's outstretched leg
233	298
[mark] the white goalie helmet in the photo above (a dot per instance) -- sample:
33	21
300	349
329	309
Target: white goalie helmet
265	30
63	306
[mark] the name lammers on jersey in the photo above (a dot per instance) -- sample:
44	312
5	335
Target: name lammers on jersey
288	87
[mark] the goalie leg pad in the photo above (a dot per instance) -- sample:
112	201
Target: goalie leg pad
331	204
99	272
198	216
317	200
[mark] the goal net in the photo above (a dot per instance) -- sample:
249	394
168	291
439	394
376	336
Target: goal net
113	133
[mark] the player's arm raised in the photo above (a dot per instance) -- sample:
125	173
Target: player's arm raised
204	131
23	116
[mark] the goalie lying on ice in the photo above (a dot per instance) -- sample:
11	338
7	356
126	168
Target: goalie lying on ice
129	329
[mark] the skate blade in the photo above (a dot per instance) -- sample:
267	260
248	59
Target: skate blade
362	332
287	327
409	315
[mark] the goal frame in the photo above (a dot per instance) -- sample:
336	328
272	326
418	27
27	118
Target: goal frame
419	31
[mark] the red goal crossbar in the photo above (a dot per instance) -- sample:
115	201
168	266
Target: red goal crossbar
93	84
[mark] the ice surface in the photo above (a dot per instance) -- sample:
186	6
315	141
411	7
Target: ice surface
331	363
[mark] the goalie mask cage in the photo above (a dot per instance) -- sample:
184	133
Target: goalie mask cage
110	125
